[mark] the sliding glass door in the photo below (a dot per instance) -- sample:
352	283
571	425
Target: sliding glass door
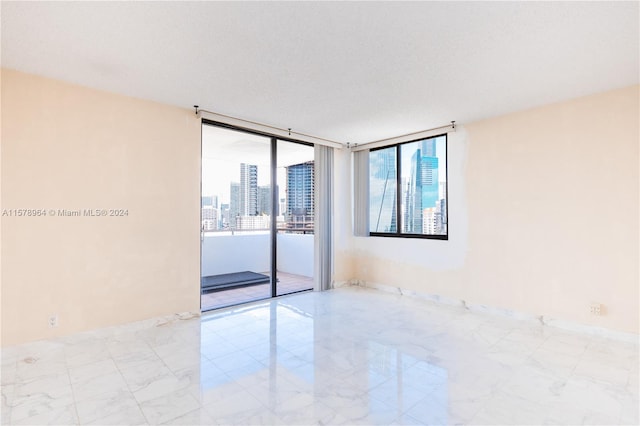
235	217
256	217
295	173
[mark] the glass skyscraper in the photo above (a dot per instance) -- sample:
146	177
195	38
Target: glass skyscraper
300	195
422	188
248	189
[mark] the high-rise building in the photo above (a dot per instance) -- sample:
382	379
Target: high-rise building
264	201
429	177
248	205
206	201
442	194
234	204
441	226
430	220
428	147
422	189
224	216
442	204
300	195
382	215
209	218
253	222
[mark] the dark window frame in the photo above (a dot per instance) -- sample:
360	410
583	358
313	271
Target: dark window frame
399	216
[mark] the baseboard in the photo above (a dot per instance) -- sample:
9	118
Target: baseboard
591	330
181	316
492	310
338	284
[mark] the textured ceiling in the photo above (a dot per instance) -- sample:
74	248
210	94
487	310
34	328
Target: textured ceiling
352	71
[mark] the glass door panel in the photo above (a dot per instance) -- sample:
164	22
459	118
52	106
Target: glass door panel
235	217
294	220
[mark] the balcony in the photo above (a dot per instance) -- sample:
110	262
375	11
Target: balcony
227	252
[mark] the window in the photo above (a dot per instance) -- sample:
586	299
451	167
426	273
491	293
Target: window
408	189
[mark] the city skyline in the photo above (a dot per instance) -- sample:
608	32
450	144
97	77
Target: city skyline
247	199
299	194
422	183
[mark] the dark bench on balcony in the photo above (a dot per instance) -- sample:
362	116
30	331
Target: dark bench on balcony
236	279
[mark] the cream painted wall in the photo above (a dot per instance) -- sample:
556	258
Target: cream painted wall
543	216
69	147
543	212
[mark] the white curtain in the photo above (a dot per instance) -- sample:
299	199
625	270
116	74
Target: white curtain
323	253
361	193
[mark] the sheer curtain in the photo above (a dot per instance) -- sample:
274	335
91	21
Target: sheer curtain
323	241
361	193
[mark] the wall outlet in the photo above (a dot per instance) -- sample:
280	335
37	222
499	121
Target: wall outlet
596	309
53	320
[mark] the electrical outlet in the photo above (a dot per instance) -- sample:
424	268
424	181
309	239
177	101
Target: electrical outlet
53	320
595	309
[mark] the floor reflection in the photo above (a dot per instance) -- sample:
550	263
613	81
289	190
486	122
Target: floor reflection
293	355
348	356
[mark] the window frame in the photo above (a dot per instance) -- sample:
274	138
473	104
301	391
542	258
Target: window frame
399	194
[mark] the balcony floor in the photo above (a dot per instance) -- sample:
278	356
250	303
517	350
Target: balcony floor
287	283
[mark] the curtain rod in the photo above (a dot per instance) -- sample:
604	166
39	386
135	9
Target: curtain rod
266	128
404	138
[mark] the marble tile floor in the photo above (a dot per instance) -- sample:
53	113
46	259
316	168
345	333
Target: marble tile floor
347	356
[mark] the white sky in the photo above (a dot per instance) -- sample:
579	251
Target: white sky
223	150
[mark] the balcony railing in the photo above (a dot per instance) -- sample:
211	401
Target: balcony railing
229	251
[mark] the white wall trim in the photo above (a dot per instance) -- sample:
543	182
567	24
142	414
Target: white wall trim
21	349
492	310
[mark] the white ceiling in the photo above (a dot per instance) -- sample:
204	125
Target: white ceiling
347	71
